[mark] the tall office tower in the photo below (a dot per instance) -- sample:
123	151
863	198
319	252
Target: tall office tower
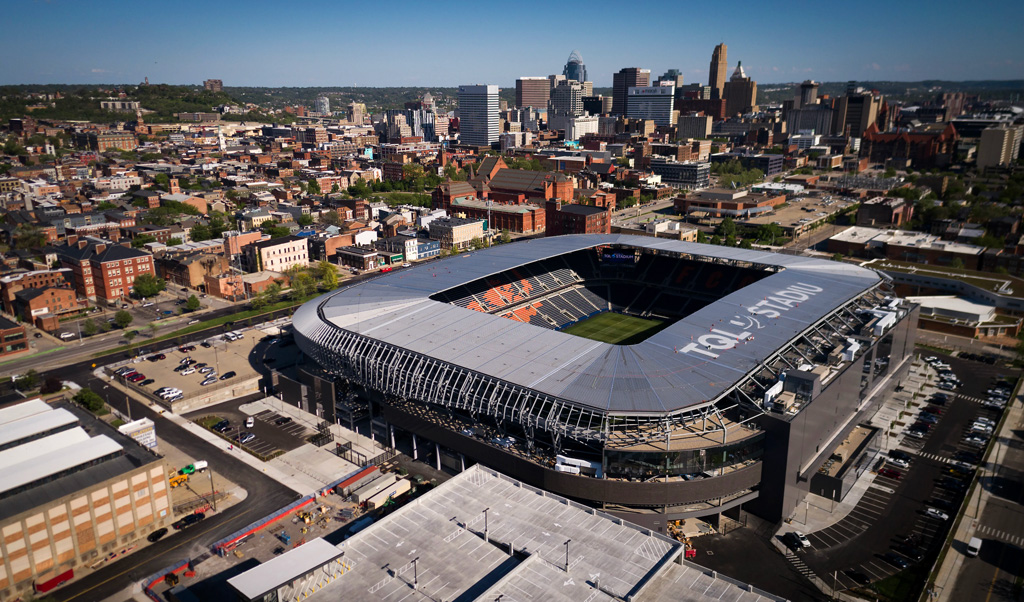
478	114
323	105
808	94
597	105
630	77
566	99
740	93
716	75
855	111
652	102
533	92
672	76
574	68
999	145
356	111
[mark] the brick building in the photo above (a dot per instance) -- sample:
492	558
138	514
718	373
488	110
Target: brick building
104	271
278	254
902	245
11	284
43	306
106	140
74	491
576	219
14	340
522	219
884	212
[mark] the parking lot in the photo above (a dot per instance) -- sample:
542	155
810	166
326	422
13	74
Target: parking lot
217	356
891	527
272	431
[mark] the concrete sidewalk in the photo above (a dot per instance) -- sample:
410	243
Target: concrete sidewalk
974	506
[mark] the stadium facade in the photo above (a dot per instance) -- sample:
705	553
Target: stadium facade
755	368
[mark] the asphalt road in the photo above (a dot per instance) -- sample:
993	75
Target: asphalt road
858	541
264	496
1000	564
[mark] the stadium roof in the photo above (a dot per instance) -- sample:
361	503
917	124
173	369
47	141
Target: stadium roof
673	370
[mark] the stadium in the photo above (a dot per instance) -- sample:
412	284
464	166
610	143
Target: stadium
654	379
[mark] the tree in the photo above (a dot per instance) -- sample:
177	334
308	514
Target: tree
726	228
957	264
889	173
305	220
89	399
701	237
89	327
331	218
313	186
201	232
837	257
174	241
192	303
27	381
130	336
52	384
335	188
302	286
716	240
122	318
746	244
148	285
506	236
258	302
328	275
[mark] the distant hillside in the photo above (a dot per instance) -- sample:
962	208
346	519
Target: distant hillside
904	91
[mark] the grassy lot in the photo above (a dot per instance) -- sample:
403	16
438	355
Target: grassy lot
209	421
617	329
903	586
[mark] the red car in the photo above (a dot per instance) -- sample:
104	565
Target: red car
138	376
187	348
890	473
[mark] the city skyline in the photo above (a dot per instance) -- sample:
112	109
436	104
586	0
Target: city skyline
243	45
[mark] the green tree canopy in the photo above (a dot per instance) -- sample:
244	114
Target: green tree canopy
122	318
148	285
192	304
89	399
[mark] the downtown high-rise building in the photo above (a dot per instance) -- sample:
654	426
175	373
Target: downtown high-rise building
740	93
323	105
566	99
478	114
808	94
533	92
716	74
574	68
630	77
652	102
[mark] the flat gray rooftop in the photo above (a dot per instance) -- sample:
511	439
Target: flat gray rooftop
670	371
443	531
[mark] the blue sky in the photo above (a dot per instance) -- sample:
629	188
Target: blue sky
397	43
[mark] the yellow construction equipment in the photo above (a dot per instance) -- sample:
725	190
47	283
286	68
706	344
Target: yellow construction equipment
178	479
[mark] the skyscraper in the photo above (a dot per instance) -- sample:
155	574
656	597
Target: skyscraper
478	114
630	77
672	76
716	75
566	99
652	102
533	92
574	68
855	111
808	94
323	105
740	92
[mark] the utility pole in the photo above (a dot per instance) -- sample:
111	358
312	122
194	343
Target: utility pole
213	494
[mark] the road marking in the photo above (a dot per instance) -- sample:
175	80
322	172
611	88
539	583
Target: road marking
882	488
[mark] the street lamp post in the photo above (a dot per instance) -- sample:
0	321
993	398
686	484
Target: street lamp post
415	574
567	555
485	524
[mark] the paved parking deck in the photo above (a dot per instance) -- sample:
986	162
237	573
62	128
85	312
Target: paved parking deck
222	356
436	548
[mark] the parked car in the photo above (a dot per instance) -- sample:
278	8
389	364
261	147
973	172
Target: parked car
185	360
204	370
147	382
139	377
250	422
896	560
245	437
801	539
890	473
913	434
227	375
222	426
200	365
156	535
208	381
898	462
205	344
283	420
936	513
189	520
188	370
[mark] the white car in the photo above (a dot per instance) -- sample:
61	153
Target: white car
977	427
188	371
898	462
802	539
914	434
936	513
985	420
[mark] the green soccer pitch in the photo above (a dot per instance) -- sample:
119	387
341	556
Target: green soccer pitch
617	329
